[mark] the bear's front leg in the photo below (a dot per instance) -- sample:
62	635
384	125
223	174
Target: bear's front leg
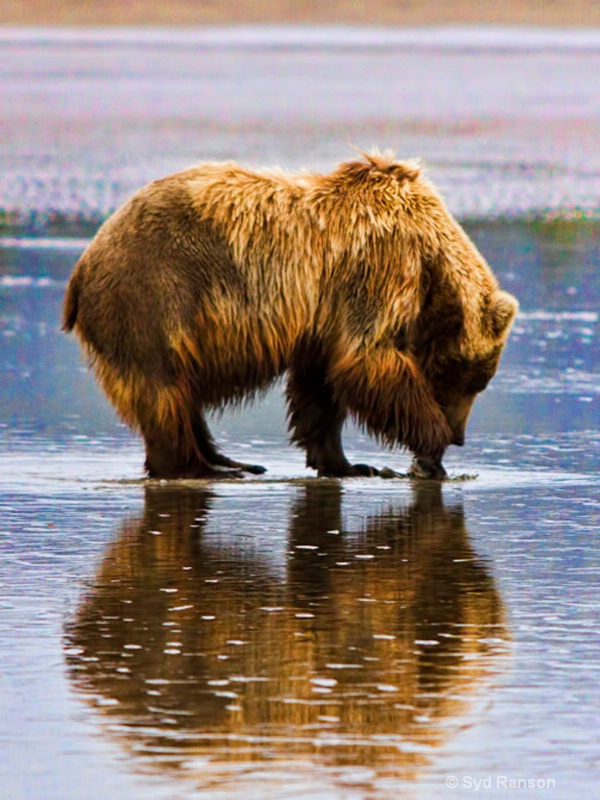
426	468
387	393
316	421
327	456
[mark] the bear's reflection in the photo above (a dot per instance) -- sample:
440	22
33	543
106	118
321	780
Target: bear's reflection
359	644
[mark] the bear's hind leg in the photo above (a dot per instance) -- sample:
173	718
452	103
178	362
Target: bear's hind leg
207	446
316	421
168	458
180	445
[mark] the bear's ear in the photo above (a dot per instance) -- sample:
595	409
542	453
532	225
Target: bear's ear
502	312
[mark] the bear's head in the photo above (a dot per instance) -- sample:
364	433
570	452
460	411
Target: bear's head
463	357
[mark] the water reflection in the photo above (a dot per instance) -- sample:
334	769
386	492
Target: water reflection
365	646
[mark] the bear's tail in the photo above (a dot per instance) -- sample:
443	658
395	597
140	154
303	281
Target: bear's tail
71	304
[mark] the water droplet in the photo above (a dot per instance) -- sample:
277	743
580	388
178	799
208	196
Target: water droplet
323	681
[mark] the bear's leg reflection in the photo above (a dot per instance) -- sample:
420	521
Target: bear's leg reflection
199	646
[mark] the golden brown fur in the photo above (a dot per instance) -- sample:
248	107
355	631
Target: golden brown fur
209	284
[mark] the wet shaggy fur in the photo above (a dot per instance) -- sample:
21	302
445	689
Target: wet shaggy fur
211	283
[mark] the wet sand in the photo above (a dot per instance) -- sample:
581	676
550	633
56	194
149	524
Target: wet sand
583	13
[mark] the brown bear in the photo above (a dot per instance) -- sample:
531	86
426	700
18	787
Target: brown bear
211	283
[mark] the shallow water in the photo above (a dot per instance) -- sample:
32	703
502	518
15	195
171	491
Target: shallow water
283	636
289	637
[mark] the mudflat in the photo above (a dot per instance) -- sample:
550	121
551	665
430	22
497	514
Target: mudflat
580	13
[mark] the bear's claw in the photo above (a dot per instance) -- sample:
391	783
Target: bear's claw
364	470
254	469
427	469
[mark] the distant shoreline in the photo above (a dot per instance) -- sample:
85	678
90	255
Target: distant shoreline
440	37
544	13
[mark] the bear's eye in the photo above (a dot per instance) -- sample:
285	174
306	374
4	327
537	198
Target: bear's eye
477	383
480	373
468	377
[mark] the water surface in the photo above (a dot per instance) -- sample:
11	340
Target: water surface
290	637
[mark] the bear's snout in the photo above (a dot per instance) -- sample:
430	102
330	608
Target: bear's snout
458	438
457	415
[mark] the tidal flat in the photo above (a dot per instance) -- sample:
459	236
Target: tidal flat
285	636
